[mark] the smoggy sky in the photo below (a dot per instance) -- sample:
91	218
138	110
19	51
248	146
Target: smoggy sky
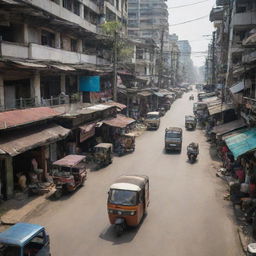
196	32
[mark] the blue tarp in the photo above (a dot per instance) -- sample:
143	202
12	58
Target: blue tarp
89	83
242	143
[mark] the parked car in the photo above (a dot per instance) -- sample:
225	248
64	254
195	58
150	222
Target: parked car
25	239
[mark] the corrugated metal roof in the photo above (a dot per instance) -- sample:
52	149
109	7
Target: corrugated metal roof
228	127
18	117
25	140
120	121
242	143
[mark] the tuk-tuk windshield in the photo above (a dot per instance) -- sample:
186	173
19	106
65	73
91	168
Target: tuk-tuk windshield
123	197
9	250
152	117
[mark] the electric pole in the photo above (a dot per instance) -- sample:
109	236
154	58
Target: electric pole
160	70
115	68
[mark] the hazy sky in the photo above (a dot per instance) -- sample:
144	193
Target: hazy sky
194	31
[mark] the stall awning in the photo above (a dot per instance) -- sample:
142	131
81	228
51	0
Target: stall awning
87	131
63	67
120	121
242	143
116	104
29	64
228	127
218	108
159	94
28	139
145	94
238	87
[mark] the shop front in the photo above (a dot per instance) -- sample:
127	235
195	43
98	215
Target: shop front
26	156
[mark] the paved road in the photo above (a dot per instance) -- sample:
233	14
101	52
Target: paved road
187	215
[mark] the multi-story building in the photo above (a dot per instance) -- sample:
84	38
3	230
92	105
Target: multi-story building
235	62
185	60
46	46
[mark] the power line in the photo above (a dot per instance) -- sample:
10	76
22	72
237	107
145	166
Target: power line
181	6
188	21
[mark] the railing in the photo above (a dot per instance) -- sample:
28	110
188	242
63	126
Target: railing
23	103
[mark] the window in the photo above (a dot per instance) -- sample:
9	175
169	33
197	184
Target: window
67	4
47	38
77	8
73	45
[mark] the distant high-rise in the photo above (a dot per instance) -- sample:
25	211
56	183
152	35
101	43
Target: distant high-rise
148	19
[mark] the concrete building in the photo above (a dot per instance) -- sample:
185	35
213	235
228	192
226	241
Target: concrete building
47	45
235	23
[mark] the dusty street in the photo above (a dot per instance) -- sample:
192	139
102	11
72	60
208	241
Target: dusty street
187	213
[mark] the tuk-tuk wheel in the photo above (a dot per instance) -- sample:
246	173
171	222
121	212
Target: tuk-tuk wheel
58	193
119	229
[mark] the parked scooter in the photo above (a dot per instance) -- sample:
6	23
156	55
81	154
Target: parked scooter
192	152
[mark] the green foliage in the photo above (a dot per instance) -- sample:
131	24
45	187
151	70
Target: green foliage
111	27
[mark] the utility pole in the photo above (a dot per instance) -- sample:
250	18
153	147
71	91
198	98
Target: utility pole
115	68
213	60
160	70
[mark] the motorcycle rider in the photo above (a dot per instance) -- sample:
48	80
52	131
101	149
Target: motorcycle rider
192	149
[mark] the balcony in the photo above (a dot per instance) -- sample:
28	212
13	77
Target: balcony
14	50
41	52
216	14
244	19
65	14
249	57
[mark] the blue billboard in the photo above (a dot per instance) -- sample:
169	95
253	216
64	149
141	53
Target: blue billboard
89	84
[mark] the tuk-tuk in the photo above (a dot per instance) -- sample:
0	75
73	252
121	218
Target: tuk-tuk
128	200
25	239
68	174
190	122
103	154
125	144
251	249
152	120
162	111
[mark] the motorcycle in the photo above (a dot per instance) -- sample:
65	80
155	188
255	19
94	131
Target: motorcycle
192	152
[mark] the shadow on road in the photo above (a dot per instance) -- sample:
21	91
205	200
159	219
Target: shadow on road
108	234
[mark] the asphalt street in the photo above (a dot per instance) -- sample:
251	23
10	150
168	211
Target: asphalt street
187	214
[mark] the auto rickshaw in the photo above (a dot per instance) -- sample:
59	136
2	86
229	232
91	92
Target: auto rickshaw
161	111
25	239
68	174
103	154
190	122
128	200
125	144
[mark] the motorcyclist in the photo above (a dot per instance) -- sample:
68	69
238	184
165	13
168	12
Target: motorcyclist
193	148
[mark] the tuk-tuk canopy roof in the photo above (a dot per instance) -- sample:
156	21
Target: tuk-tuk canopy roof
69	160
20	234
173	129
138	180
192	118
125	186
104	145
153	113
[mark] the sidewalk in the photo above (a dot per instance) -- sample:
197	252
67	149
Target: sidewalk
17	209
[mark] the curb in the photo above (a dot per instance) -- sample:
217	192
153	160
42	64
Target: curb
244	240
11	220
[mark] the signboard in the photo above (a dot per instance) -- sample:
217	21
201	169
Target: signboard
89	83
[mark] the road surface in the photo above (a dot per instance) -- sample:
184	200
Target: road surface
187	213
